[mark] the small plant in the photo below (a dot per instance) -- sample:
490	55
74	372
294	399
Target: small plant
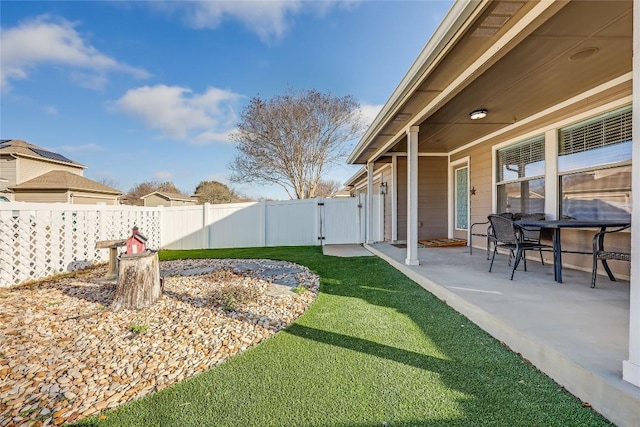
54	303
27	412
138	329
299	290
230	296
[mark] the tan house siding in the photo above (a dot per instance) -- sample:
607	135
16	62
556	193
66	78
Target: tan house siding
82	198
30	168
7	171
432	197
155	200
480	179
402	198
388	178
51	196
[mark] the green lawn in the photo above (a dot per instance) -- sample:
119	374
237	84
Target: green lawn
374	348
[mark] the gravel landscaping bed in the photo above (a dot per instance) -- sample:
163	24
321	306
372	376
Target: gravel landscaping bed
66	356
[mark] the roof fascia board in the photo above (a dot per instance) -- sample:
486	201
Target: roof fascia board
448	29
43	159
467	75
356	176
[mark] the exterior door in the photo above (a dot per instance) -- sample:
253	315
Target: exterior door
461	200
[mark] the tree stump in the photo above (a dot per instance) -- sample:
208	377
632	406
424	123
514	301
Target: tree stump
138	283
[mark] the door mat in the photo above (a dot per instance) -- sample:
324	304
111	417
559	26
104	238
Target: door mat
438	243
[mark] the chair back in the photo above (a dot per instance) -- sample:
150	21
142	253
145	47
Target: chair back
508	215
529	233
503	229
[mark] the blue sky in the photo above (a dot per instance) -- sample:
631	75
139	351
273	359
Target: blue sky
150	90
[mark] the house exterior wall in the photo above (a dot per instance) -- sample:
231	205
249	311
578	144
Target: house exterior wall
30	168
50	196
402	197
432	197
387	176
481	176
7	171
155	200
181	203
86	198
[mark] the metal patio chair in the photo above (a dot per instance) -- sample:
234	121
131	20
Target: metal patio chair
532	234
507	235
600	254
488	234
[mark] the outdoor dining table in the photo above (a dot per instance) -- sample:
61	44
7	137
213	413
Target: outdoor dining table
559	224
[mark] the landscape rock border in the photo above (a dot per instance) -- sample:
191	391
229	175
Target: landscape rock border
66	356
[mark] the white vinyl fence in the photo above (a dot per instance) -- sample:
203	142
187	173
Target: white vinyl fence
39	239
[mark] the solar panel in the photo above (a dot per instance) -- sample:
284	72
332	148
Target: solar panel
2	141
4	145
50	155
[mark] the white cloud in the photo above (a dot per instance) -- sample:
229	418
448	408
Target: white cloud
369	112
270	20
49	41
79	148
178	113
51	110
162	175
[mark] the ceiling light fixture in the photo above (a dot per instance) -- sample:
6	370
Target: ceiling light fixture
478	114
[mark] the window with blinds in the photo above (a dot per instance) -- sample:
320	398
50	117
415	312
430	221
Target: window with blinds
601	141
521	161
520	177
594	165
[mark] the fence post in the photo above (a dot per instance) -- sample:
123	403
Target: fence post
263	221
318	220
102	232
206	218
162	227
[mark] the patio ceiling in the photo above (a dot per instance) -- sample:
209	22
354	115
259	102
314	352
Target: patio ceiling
547	57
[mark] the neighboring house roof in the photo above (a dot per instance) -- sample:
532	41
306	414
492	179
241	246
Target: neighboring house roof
19	148
170	196
63	180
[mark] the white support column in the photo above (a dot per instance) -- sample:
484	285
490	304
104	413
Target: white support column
394	198
631	367
370	202
551	174
412	196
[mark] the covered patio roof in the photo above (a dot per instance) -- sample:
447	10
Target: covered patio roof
520	60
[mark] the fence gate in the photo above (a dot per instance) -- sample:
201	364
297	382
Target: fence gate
341	221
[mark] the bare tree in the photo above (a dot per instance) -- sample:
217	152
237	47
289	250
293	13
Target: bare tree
109	182
133	197
327	188
217	192
290	139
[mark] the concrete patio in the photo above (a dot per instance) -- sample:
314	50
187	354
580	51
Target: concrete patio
577	335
